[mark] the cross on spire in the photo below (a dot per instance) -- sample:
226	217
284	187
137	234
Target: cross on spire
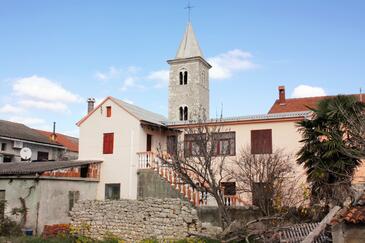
189	8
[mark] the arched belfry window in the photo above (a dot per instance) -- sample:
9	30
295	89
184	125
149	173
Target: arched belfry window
183	77
181	112
185	113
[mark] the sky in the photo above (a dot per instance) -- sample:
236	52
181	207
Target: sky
56	54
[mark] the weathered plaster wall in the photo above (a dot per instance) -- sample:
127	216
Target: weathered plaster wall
47	201
134	220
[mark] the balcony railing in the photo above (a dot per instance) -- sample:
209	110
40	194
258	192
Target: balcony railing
149	160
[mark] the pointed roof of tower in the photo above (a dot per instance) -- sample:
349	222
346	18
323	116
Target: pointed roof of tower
189	46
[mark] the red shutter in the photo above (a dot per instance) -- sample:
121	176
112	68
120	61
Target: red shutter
108	111
108	143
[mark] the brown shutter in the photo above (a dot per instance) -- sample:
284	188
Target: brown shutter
108	111
261	141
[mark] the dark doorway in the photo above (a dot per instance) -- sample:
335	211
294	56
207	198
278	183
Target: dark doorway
172	145
149	143
83	171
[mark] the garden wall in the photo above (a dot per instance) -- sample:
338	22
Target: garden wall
134	220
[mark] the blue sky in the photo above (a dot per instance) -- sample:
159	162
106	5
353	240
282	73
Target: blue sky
55	54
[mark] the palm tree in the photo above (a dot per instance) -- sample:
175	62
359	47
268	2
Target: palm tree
328	155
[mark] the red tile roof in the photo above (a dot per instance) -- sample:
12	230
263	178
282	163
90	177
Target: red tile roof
71	143
300	104
355	215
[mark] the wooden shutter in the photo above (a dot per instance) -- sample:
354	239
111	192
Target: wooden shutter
108	143
108	111
261	141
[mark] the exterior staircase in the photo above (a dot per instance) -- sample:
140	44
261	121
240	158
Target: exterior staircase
149	161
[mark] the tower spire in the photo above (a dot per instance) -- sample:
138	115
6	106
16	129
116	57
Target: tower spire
189	46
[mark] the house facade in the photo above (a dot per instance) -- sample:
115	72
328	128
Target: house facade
15	136
127	137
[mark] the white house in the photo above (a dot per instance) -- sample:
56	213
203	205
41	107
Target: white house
123	135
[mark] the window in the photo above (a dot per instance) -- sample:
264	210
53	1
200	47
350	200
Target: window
73	198
262	194
194	144
112	191
2	204
181	113
183	77
3	146
185	113
149	143
229	188
108	143
225	143
84	171
108	111
171	144
261	141
7	158
42	156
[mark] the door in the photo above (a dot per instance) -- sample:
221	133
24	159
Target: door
149	143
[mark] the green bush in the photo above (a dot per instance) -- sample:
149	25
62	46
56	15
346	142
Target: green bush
9	227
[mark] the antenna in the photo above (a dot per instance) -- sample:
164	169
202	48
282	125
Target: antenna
189	8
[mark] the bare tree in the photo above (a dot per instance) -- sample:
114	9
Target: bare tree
355	125
198	160
269	178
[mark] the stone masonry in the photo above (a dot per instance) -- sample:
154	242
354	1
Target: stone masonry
134	220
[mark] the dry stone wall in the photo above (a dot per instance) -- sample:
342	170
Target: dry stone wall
134	220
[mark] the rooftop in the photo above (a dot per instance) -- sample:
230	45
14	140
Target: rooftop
32	168
71	143
19	131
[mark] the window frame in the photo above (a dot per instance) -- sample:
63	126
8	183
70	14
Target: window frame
108	143
73	198
222	137
116	186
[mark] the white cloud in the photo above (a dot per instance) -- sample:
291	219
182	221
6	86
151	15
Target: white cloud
307	91
10	109
161	77
29	121
43	89
111	73
131	82
226	64
114	73
52	106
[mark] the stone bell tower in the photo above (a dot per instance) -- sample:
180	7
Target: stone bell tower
189	81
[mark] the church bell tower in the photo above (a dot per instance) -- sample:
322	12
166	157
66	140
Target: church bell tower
189	81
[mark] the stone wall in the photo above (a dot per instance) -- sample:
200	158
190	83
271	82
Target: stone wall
134	220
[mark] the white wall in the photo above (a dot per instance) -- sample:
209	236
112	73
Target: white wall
129	138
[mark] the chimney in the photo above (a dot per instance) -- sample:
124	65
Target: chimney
90	104
281	94
53	135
